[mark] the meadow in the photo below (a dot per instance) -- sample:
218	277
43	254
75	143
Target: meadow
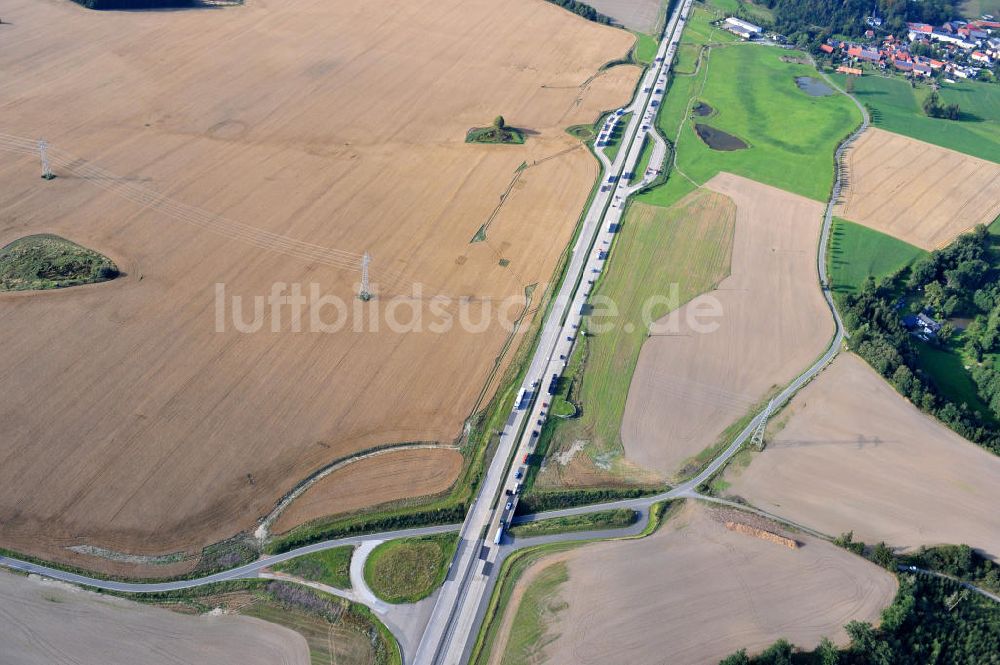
752	89
857	252
896	107
409	569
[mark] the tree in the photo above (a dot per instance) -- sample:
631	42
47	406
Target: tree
499	122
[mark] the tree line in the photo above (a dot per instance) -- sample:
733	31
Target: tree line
584	10
813	21
956	280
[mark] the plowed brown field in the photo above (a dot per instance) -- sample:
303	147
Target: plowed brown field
48	623
915	191
689	386
696	591
373	481
290	137
853	455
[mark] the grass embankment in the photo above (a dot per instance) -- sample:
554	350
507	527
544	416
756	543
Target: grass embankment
331	567
645	48
409	569
791	135
667	256
644	157
46	261
510	573
896	106
336	630
857	252
538	609
606	519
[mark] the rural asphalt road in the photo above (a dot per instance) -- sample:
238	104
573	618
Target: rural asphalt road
462	601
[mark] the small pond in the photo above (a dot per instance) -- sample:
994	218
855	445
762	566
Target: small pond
702	109
716	139
813	87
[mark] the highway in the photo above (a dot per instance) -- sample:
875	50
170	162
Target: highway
453	624
460	603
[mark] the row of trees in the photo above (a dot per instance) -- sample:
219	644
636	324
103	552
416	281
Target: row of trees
584	10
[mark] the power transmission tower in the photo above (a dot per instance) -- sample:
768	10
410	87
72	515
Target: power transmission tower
365	294
757	440
43	147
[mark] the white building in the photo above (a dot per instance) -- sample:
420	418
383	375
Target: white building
745	27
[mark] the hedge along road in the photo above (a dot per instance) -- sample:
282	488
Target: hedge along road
242	572
687	489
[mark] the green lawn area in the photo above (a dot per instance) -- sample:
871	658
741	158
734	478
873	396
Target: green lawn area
47	261
409	569
645	48
976	8
857	251
331	567
791	135
539	606
755	11
687	247
895	106
605	519
643	163
946	369
617	133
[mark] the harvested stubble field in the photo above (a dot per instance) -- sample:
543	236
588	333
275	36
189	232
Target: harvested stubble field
689	386
132	424
50	623
852	454
373	481
917	192
694	592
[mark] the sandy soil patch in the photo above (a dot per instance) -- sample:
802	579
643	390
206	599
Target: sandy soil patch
45	623
915	191
689	386
854	455
637	15
696	591
132	424
373	481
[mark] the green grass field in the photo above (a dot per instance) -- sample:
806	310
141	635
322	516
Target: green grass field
896	107
605	519
674	253
976	8
645	48
857	251
539	606
409	569
946	368
331	567
756	12
47	261
643	163
791	135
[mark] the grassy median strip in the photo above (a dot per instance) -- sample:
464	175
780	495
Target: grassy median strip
618	518
331	567
409	569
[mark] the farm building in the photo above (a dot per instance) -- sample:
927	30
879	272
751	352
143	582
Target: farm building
742	28
852	71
